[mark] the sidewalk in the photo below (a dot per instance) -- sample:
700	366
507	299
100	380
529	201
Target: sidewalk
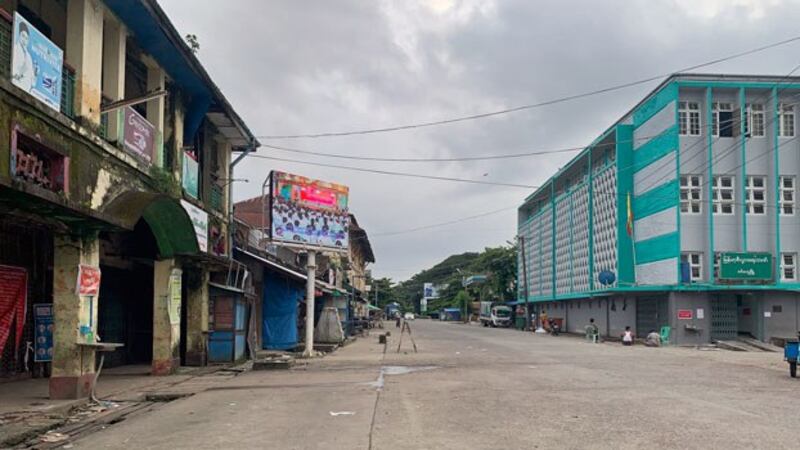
26	410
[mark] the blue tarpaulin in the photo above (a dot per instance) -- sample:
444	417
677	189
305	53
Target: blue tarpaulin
280	311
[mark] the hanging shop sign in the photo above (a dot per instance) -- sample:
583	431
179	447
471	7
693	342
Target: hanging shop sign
36	63
43	332
88	280
13	303
745	266
190	179
199	220
139	135
308	213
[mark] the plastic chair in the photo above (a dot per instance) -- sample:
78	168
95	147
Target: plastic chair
665	332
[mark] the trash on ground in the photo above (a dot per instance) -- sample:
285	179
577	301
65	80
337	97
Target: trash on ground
343	413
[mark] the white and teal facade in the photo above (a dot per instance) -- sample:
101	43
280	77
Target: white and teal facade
711	165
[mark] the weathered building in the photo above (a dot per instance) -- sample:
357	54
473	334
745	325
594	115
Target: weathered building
128	172
681	214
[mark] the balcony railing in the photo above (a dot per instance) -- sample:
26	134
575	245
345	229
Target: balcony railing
67	74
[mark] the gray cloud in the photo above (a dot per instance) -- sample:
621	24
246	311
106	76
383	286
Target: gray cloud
312	66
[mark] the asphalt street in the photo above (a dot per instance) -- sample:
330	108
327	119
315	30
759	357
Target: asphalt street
483	388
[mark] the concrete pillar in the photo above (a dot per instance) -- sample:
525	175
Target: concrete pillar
73	366
85	54
114	37
156	81
166	326
197	319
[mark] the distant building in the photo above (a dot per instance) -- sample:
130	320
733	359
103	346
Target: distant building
709	165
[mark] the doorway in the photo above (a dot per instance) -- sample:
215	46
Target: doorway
724	317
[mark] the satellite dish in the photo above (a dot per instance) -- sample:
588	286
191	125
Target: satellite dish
606	277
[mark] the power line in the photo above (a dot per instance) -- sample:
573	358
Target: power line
451	222
399	174
533	105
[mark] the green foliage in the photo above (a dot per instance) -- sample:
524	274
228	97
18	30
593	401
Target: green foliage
163	181
499	264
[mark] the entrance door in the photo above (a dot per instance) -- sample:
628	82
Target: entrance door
724	318
651	314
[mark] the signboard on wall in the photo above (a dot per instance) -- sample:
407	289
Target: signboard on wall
685	314
190	179
43	332
13	303
175	289
308	213
36	63
88	280
745	266
139	135
200	222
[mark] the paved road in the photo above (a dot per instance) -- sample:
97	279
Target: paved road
479	388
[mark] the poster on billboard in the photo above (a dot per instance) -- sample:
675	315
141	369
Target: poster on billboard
429	290
308	213
36	63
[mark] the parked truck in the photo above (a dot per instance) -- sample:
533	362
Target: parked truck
495	315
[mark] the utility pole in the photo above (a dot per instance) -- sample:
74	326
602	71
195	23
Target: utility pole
525	284
311	273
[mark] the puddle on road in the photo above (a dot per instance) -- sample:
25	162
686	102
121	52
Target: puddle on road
397	370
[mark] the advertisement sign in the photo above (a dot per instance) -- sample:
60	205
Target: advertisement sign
200	221
139	135
308	213
430	291
684	314
13	302
190	179
43	332
175	287
88	280
745	266
36	63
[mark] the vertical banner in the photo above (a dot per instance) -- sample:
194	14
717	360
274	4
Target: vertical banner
36	63
88	280
175	289
43	332
13	302
190	179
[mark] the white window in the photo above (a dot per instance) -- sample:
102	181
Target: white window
691	194
716	265
756	191
689	118
787	195
695	261
788	266
722	118
722	195
754	120
786	120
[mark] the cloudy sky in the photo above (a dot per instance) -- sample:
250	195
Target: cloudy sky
300	67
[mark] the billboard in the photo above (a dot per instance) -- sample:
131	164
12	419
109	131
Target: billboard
429	290
308	213
36	63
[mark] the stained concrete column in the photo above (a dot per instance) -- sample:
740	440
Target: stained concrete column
85	54
166	327
197	318
73	366
115	37
156	81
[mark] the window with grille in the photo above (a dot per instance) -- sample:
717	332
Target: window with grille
695	261
754	120
689	118
787	195
716	265
788	266
786	120
756	191
721	119
691	194
722	195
